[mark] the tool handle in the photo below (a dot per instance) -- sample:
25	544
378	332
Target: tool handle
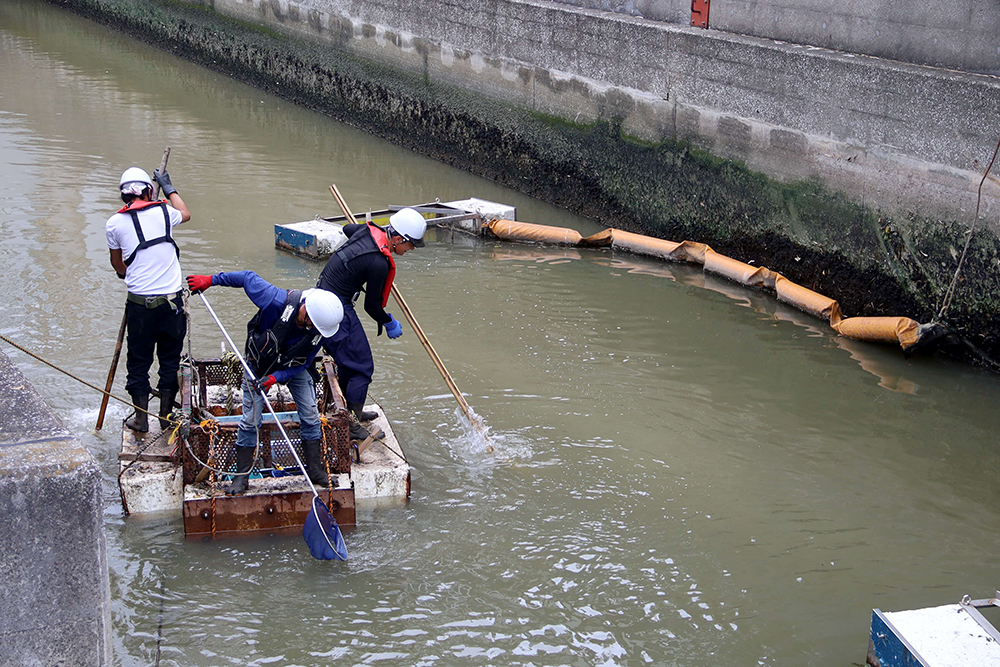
163	167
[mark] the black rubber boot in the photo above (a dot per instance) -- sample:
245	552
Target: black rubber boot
358	432
166	407
359	411
314	463
139	422
244	462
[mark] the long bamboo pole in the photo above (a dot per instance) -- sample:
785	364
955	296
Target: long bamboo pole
474	419
121	329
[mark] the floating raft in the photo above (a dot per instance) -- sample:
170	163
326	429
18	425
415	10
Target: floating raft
953	635
162	474
317	239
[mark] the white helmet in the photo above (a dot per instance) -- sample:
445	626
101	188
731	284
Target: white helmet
409	224
324	310
135	175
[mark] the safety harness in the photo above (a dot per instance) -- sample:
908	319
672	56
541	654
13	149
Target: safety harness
132	209
362	244
268	351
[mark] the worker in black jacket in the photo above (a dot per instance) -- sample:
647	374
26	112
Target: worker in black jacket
365	263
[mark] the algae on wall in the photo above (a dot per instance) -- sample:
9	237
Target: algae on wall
872	264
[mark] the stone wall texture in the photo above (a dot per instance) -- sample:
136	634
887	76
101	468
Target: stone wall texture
853	175
958	35
55	599
898	136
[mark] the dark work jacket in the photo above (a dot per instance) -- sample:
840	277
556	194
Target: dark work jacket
297	347
358	265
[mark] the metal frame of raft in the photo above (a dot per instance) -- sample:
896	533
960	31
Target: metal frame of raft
953	635
158	474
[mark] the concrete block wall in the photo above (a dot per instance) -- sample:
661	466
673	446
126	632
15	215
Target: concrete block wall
55	599
897	136
961	34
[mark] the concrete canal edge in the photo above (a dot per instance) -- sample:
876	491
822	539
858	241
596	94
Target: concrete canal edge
55	597
864	194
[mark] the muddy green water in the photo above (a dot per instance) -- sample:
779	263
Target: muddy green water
686	472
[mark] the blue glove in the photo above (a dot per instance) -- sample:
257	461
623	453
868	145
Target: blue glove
393	328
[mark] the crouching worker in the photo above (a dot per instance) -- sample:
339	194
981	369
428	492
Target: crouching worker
282	340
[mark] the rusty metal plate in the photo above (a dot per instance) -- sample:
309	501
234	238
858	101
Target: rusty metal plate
262	512
699	13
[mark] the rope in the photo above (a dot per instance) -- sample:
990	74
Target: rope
326	459
212	424
208	426
211	446
950	293
381	440
97	389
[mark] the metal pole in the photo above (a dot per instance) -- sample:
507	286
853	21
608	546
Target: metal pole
246	367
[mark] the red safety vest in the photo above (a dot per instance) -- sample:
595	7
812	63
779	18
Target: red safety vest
382	241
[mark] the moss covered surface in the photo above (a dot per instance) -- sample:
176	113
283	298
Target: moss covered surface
871	263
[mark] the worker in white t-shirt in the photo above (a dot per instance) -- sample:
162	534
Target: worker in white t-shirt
145	256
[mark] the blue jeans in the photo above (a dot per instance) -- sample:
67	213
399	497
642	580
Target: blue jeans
303	393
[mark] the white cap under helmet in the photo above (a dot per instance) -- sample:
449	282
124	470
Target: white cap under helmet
324	310
134	180
409	224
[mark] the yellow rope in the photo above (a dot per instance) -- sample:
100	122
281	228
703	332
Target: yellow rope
211	446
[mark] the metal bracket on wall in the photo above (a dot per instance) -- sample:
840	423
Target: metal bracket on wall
699	13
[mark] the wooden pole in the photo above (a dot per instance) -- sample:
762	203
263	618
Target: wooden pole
163	166
476	422
121	330
111	372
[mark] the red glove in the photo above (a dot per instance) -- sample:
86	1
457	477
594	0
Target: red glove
265	383
199	283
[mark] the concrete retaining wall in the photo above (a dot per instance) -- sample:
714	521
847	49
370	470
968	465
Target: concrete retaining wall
55	600
961	34
895	136
862	172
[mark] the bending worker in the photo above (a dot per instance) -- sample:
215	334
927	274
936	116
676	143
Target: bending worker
365	263
282	340
145	255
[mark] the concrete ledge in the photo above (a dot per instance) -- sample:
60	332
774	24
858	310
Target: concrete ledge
55	600
893	135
